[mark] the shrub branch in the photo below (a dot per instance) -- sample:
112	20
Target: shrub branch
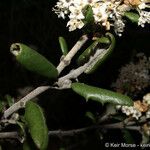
62	83
4	135
21	103
67	59
61	133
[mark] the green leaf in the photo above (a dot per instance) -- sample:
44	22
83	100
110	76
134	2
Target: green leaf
85	56
134	17
104	40
101	95
33	61
37	125
63	45
88	14
102	57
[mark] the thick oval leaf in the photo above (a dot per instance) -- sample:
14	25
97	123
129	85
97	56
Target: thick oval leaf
63	45
103	56
101	95
88	12
37	125
104	40
33	61
84	57
134	17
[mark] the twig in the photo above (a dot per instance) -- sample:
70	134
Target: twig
66	61
119	125
137	128
104	118
61	133
21	102
65	81
73	132
4	135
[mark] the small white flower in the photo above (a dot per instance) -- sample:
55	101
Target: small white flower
74	24
76	13
142	6
148	114
146	98
126	110
118	107
137	114
99	12
119	26
144	18
132	110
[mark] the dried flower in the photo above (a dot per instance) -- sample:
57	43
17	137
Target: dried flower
132	2
134	77
140	106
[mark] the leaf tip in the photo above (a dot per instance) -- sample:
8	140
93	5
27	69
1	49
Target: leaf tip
15	48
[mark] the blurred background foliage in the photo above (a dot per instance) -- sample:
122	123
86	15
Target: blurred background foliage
32	22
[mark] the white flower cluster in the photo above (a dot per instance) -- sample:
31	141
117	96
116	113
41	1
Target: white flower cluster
146	99
144	18
139	109
131	111
106	13
144	15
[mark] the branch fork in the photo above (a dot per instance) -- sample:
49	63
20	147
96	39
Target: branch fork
63	82
67	59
